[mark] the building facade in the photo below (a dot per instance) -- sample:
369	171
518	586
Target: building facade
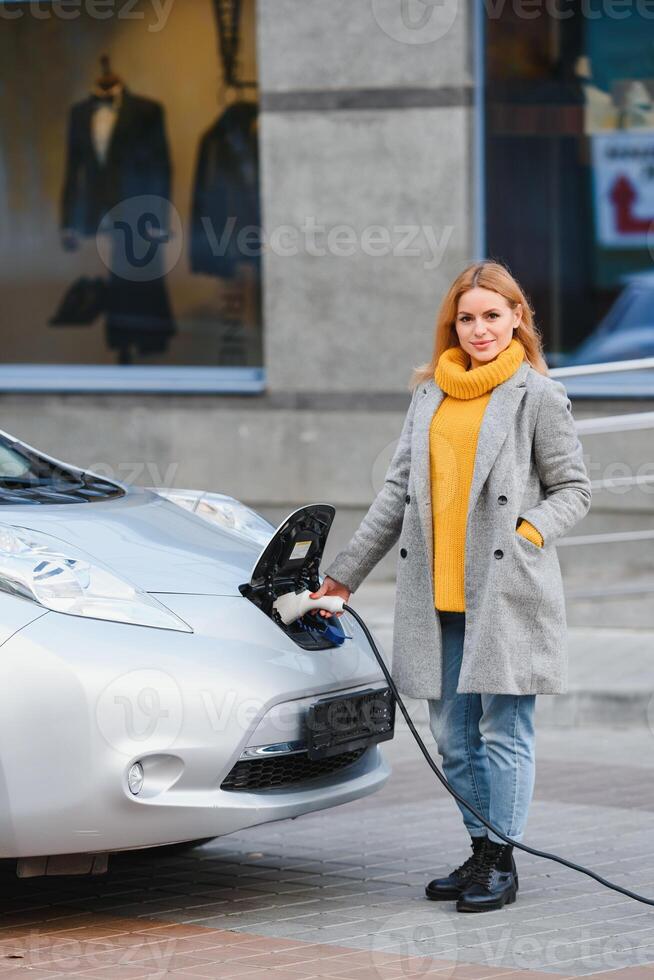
378	146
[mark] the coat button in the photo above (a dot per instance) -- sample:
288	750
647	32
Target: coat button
407	499
499	553
403	552
501	499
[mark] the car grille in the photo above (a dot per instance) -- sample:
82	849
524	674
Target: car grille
285	770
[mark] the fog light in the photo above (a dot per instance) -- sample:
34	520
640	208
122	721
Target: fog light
135	778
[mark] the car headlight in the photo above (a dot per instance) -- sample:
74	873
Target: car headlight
220	509
61	577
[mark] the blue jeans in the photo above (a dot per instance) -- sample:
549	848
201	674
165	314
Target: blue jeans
487	743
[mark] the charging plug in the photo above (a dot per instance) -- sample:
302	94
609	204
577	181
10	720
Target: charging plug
292	606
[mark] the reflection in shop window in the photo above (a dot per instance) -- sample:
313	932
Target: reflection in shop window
570	170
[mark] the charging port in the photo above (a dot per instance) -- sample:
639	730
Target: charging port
290	563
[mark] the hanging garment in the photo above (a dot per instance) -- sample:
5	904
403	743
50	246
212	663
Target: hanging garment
114	153
225	198
117	154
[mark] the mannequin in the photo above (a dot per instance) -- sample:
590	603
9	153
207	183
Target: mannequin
118	163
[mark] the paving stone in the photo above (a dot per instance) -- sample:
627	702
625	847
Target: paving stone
352	879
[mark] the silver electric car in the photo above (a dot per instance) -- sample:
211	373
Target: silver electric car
149	691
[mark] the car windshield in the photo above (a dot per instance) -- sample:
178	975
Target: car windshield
29	478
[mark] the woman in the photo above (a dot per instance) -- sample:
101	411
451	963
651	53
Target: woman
487	474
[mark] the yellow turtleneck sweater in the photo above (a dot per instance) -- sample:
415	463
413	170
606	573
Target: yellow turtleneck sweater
453	444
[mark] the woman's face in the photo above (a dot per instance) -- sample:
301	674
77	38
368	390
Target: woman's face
484	324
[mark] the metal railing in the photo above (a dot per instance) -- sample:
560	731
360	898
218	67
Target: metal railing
599	426
604	367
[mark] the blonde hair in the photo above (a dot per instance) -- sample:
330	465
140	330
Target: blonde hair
488	275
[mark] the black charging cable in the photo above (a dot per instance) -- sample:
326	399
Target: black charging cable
469	806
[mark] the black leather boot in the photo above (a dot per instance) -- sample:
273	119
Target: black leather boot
492	882
452	885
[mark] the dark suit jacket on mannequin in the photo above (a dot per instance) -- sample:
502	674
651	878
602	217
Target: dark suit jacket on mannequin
137	162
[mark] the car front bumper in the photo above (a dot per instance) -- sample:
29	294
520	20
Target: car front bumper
82	700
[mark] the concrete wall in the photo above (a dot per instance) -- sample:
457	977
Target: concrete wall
367	129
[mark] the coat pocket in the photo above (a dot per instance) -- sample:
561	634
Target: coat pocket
530	546
521	579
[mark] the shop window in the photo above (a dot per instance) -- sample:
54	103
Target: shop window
569	182
129	175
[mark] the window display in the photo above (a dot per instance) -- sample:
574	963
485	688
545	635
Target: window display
130	183
569	112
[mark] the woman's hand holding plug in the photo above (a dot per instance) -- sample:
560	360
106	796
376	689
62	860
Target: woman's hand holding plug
330	587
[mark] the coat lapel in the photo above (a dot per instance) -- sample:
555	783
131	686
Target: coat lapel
496	422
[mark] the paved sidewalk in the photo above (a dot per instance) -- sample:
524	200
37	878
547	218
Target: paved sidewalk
340	893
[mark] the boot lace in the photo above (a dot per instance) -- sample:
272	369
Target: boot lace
482	870
469	864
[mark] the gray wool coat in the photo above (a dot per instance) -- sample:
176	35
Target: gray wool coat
528	464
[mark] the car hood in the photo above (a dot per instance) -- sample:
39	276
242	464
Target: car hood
157	545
